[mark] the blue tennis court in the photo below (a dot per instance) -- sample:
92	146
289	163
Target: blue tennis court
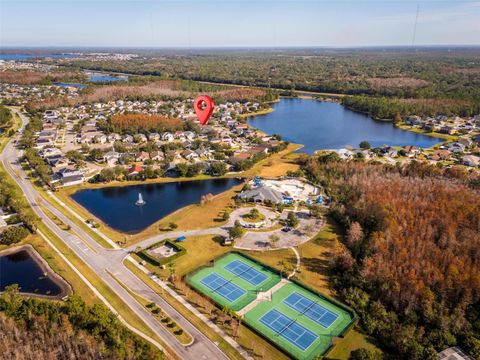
221	286
311	309
246	272
287	328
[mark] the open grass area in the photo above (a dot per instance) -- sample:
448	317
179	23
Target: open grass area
61	268
352	341
183	337
199	250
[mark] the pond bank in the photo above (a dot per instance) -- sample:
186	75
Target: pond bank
39	268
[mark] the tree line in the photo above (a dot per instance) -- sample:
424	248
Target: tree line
70	328
410	264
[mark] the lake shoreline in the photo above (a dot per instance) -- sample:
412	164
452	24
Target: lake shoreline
372	132
65	287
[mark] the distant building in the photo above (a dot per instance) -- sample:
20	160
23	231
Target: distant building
454	353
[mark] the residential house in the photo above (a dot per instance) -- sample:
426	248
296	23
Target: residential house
157	156
142	156
447	130
471	160
114	137
153	136
190	155
456	147
413	120
135	170
166	136
111	157
127	139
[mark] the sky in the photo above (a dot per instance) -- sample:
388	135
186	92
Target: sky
237	23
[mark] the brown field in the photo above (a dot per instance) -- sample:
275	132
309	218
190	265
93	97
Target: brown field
397	82
142	121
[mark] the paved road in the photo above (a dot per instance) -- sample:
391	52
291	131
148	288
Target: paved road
105	262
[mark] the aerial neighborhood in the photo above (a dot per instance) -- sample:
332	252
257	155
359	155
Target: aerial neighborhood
77	142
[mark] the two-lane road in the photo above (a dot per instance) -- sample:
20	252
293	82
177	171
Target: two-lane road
100	260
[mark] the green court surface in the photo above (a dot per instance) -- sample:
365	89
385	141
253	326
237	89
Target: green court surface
299	321
233	281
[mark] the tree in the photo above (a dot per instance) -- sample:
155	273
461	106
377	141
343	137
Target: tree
355	234
274	240
292	219
363	354
106	175
13	234
237	231
96	154
365	145
181	169
172	269
218	168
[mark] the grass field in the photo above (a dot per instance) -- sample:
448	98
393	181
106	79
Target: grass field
324	336
197	280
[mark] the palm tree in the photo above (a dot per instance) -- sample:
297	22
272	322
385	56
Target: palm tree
282	265
172	268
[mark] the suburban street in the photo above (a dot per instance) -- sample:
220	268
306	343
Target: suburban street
105	262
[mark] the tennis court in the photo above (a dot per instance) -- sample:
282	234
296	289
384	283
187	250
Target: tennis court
233	280
311	309
299	321
223	287
288	329
246	272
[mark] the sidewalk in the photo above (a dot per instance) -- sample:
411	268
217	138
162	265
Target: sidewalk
192	309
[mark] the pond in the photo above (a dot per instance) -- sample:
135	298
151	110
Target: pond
116	205
98	77
67	85
328	125
24	267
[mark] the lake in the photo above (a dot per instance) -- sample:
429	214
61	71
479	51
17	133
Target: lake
116	205
21	268
328	125
97	77
24	57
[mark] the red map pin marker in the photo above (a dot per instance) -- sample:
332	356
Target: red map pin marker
203	106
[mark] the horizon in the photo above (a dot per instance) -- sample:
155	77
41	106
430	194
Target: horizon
238	24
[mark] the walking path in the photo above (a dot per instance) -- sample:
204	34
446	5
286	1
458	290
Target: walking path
297	267
263	296
190	307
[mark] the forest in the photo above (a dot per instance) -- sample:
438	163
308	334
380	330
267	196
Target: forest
410	265
81	331
133	123
426	73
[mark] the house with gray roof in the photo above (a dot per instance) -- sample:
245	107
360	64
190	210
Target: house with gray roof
262	194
